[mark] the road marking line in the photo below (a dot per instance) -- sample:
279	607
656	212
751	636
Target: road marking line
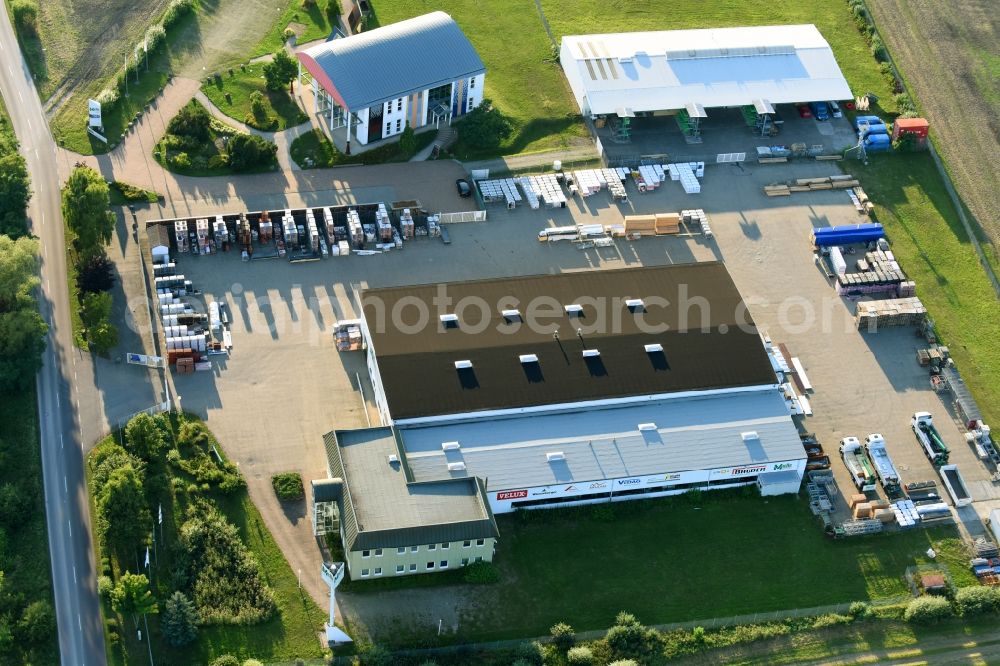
62	443
57	401
66	484
79	621
70	528
19	96
74	573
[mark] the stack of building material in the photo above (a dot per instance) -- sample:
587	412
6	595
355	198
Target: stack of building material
266	229
185	366
667	223
698	218
871	315
862	510
855	500
906	513
650	177
343	248
688	176
503	189
383	225
529	193
587	182
219	230
433	226
201	231
640	224
164	269
547	189
290	232
214	320
837	261
616	184
406	224
355	229
181	235
312	230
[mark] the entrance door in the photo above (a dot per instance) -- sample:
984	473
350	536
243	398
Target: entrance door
375	123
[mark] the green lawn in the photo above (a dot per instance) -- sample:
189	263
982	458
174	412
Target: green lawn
230	91
933	248
24	547
672	560
309	23
291	634
313	150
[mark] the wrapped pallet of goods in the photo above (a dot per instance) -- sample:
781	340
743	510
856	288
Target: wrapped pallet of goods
219	230
406	224
856	499
667	223
181	235
642	224
201	231
872	315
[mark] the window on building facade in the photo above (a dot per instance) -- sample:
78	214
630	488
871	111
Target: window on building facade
479	558
366	553
399	125
430	565
432	546
378	571
400	568
480	542
364	573
445	546
465	561
466	544
444	564
388	127
472	103
413	567
472	83
399	104
413	549
378	552
401	550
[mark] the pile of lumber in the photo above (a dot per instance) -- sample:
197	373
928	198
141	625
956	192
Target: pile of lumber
810	185
668	223
641	224
872	315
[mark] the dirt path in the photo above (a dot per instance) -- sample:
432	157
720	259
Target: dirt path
948	54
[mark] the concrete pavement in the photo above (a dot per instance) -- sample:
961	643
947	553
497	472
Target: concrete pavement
81	638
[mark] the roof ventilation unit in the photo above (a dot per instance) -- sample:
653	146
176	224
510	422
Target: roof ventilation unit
749	436
456	467
574	309
393	458
635	305
511	316
449	320
654	348
647	426
463	365
591	353
552	456
528	358
450	446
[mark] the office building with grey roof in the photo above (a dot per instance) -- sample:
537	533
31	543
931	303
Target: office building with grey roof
581	387
418	72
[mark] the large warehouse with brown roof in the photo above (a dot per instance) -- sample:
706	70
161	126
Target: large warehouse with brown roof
573	388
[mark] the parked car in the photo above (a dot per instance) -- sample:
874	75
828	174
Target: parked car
835	110
820	110
804	111
464	189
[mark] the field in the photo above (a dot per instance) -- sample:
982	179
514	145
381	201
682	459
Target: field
931	245
291	634
680	559
512	41
949	60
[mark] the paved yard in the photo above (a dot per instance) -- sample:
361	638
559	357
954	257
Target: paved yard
285	385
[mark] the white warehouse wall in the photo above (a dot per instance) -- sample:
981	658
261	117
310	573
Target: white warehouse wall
572	72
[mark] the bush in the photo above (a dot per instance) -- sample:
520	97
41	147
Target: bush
375	655
878	49
218	161
288	486
37	623
25	17
481	573
860	610
226	660
624	662
108	98
191	121
15	505
252	662
630	638
180	161
155	35
581	655
977	600
698	635
247	152
333	12
104	587
176	10
288	34
928	610
563	636
485	127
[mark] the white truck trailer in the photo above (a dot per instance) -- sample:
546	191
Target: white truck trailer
929	438
884	468
857	464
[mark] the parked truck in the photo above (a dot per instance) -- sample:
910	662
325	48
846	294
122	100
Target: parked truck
929	438
857	464
886	471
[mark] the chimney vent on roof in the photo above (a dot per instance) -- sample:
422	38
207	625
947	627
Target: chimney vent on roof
393	458
552	456
749	436
574	309
450	446
456	467
511	316
463	365
653	348
635	305
647	426
591	353
449	320
528	358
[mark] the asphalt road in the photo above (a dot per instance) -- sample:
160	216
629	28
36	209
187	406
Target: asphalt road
81	640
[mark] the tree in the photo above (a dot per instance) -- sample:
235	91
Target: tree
248	151
18	271
37	623
485	127
15	192
95	309
280	71
95	273
408	142
927	610
22	341
123	517
147	436
85	202
179	621
257	107
629	638
15	505
563	636
131	595
191	121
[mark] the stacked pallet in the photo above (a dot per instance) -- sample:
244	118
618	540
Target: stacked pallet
810	185
688	174
667	223
503	189
588	182
616	184
906	513
547	189
644	225
872	315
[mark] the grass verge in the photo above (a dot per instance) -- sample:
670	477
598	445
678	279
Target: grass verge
930	243
313	150
230	93
291	634
122	194
25	547
309	22
678	559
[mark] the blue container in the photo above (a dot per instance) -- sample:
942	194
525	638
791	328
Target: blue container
867	119
878	143
847	234
869	130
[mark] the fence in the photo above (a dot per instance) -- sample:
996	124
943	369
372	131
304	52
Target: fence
470	216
